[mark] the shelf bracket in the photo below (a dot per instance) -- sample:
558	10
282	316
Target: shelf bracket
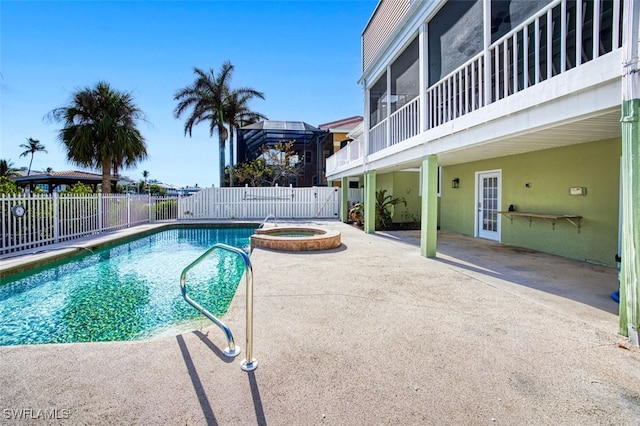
576	223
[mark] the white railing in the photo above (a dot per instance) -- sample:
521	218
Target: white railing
352	151
50	219
549	43
257	203
378	137
405	122
457	94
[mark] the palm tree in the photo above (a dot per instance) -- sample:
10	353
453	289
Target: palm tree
207	98
145	175
31	147
7	170
238	114
100	130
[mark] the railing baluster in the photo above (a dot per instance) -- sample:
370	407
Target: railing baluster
596	29
536	51
616	25
505	68
563	36
579	23
549	43
525	57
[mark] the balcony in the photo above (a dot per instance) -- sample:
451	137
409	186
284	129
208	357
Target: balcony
547	45
349	155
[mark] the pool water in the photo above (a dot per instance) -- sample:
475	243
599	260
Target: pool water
126	292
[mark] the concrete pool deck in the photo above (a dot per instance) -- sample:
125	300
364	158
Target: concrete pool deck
368	333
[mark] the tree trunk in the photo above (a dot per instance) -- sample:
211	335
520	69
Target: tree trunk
221	145
231	153
106	176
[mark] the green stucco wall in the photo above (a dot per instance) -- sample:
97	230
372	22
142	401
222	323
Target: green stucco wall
550	174
402	184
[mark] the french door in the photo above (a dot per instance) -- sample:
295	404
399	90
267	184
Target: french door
488	205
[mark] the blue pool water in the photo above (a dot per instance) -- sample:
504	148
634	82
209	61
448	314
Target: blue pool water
125	292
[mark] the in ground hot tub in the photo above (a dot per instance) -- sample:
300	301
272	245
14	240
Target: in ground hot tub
295	239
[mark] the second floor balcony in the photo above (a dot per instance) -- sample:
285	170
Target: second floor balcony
566	47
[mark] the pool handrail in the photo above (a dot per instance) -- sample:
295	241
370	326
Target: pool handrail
269	216
249	363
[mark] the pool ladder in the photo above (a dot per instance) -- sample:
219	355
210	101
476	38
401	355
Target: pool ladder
249	363
269	216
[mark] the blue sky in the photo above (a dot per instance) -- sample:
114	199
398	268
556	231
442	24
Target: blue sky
304	56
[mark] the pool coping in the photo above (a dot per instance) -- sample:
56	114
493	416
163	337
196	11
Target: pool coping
322	239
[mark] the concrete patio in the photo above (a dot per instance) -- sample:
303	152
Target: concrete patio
369	333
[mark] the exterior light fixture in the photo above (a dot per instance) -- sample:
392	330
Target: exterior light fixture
455	183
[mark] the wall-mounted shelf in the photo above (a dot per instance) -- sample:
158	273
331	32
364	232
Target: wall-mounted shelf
550	218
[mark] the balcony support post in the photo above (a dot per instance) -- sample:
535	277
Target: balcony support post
370	201
630	176
429	214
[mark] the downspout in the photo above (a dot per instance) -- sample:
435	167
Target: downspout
630	172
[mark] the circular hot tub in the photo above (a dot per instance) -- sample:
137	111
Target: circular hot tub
295	239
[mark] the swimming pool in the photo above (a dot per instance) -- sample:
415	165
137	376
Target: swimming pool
128	291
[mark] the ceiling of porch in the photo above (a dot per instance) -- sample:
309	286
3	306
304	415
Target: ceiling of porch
598	126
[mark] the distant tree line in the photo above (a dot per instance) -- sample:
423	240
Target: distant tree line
100	126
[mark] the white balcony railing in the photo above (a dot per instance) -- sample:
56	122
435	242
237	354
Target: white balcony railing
351	152
547	44
378	136
405	123
457	94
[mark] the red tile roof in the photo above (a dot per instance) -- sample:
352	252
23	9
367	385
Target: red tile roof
343	124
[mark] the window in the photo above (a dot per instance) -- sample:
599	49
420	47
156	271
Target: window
405	79
508	14
455	36
378	101
308	157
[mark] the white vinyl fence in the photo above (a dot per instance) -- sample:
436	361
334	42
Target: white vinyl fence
50	219
34	221
257	203
355	195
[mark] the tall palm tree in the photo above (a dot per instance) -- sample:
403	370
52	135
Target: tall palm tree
100	130
7	169
31	147
145	175
238	114
206	98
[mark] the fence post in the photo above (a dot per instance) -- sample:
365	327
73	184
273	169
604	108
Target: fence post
100	221
149	199
291	204
315	200
244	199
56	218
128	210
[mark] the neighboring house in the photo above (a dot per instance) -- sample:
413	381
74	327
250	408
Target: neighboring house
58	181
476	108
340	135
312	144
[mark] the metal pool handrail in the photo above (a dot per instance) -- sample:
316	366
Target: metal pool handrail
269	216
249	363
